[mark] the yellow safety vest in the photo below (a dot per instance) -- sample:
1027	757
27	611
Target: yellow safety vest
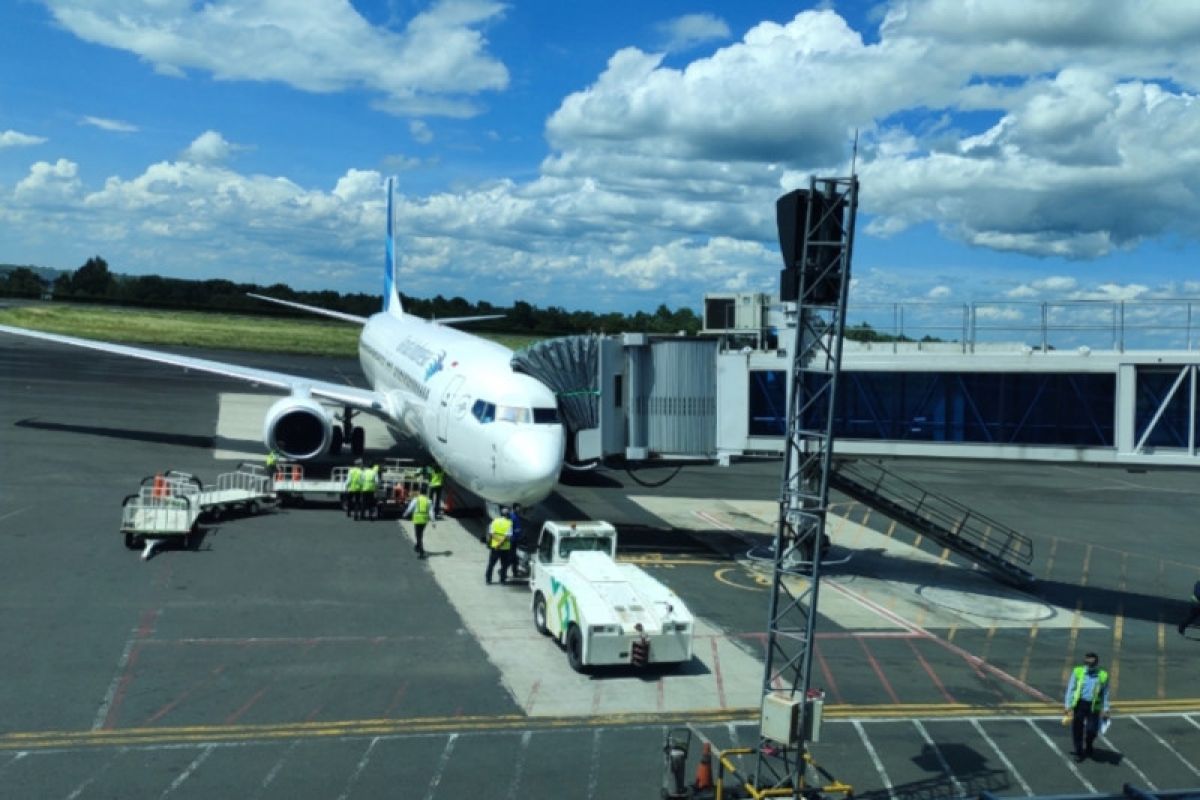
421	512
498	538
354	479
435	478
1079	673
367	480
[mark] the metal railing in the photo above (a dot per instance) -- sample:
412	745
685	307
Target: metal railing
990	544
1096	324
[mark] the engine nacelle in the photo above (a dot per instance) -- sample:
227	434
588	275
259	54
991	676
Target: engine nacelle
298	428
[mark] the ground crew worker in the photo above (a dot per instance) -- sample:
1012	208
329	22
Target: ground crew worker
1086	700
418	509
370	478
354	489
272	460
499	545
436	478
1194	614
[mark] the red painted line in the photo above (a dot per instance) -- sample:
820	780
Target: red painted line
162	712
396	698
532	694
878	671
717	675
932	675
953	648
830	681
146	623
110	719
235	716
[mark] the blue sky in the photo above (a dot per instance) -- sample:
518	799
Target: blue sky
606	156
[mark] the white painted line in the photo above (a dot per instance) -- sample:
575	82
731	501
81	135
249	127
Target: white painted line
1188	717
594	769
362	763
1166	744
1008	765
1070	764
1127	761
937	752
187	773
14	513
21	754
122	662
519	766
883	776
274	771
88	782
441	767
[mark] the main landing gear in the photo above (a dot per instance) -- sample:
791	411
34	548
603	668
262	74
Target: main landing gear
348	433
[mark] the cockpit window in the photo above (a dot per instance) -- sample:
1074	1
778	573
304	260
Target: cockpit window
487	412
484	411
513	414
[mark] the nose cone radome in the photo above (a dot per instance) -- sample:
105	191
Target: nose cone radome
533	458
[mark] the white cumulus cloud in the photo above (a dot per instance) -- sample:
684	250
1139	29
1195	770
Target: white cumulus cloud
11	138
114	125
684	33
209	147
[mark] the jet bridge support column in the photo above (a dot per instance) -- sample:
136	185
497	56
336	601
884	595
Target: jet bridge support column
816	230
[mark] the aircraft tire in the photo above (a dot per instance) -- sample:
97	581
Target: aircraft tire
335	444
129	542
358	442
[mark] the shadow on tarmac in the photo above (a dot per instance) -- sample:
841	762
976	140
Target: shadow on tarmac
154	437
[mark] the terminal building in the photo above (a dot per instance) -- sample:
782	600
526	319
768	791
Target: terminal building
1012	381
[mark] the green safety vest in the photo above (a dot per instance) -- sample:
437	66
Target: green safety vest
435	478
421	512
1079	674
354	479
271	459
367	482
498	534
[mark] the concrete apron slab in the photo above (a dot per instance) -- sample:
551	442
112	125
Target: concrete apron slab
873	581
534	668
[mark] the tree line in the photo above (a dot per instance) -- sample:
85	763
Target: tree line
95	283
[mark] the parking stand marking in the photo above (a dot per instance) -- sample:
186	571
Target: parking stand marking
1128	762
274	771
883	776
441	767
937	752
362	763
1167	745
187	772
519	766
1070	764
1008	765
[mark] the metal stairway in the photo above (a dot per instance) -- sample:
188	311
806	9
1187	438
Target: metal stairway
989	544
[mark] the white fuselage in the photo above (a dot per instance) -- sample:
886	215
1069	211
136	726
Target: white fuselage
496	432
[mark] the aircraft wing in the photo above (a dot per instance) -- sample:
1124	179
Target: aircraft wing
363	399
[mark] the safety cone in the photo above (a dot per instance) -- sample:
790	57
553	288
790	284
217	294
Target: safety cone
447	503
704	779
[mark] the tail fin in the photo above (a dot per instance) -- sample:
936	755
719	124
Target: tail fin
391	297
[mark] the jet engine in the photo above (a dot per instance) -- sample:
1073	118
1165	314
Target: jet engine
298	428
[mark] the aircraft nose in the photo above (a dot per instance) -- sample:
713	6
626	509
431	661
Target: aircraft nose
535	458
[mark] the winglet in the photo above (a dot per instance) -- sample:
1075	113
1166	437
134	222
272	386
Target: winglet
391	297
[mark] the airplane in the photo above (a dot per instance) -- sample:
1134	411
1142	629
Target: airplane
496	432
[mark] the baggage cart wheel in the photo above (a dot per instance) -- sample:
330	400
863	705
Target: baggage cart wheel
539	614
252	507
130	542
575	649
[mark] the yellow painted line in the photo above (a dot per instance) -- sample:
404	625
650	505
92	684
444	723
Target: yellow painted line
654	560
209	734
1033	633
1162	639
720	576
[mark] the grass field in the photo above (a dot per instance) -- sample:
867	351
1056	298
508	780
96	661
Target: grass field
202	329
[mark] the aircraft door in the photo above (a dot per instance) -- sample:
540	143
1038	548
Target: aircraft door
446	409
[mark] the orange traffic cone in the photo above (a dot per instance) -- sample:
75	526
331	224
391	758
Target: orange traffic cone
160	486
447	501
704	779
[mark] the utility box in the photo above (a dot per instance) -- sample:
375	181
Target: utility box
781	718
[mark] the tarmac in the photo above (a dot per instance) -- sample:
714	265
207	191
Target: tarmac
302	654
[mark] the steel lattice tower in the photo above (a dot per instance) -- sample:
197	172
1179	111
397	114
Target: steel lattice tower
823	275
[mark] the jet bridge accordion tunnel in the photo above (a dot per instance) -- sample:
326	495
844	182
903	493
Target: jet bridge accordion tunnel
634	396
